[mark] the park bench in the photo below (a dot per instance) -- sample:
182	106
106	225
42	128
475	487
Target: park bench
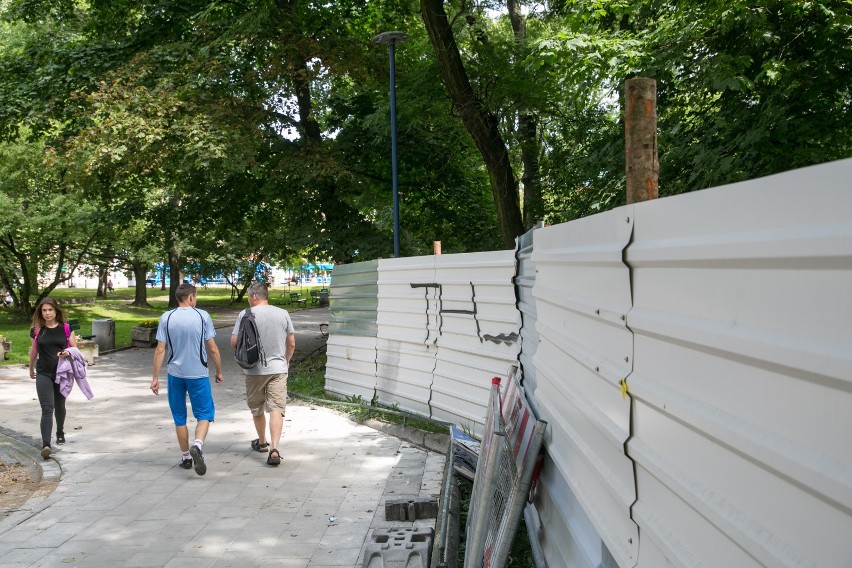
75	325
295	298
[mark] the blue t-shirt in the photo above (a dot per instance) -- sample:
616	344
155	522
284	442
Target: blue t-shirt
185	332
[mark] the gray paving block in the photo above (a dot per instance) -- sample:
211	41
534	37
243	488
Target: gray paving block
399	548
411	509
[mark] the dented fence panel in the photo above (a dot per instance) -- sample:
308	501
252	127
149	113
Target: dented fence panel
479	333
582	295
742	382
406	333
524	286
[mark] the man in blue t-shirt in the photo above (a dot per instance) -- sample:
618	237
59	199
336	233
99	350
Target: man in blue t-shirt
184	333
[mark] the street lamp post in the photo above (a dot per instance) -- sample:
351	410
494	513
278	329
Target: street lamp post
391	39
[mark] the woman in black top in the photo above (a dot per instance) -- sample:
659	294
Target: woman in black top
49	345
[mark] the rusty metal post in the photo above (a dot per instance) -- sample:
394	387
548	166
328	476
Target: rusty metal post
640	132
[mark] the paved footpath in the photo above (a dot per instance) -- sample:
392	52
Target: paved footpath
122	500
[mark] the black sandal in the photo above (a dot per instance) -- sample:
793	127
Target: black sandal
274	460
258	447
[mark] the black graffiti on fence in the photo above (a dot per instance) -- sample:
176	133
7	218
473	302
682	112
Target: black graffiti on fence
500	338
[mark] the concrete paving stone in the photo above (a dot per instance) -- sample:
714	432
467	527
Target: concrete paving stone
24	555
207	544
299	535
336	556
147	559
63	561
164	513
271	562
190	563
345	528
303	550
236	561
227	523
79	547
114	555
355	516
271	482
343	540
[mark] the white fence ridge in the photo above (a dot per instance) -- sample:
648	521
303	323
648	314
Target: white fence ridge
692	356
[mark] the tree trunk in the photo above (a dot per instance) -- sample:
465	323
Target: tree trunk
140	273
481	125
102	274
174	275
527	133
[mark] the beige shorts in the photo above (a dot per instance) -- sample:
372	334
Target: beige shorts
266	391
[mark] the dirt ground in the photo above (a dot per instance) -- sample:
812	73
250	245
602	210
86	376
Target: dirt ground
17	485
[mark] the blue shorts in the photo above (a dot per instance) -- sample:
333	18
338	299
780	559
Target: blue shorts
200	398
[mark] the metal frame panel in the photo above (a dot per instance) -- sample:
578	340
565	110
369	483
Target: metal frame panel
354	300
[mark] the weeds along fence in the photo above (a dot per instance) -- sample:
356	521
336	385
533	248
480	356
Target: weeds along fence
691	356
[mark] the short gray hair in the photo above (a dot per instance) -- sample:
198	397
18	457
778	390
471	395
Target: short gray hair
259	290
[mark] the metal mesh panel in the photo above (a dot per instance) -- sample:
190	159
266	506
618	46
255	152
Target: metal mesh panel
510	446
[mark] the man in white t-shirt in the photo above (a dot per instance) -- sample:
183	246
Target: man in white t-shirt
266	382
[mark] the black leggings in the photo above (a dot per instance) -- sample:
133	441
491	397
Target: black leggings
51	401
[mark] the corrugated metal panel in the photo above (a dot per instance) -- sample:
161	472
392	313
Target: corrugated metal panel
568	537
350	368
524	284
582	293
351	348
742	380
407	332
478	333
354	299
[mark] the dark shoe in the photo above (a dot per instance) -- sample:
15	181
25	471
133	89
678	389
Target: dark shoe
274	457
258	447
198	460
60	439
186	464
45	452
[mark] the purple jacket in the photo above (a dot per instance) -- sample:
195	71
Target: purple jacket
70	369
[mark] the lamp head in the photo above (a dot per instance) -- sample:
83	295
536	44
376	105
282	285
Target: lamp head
390	38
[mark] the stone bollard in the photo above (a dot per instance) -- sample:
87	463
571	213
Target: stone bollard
89	349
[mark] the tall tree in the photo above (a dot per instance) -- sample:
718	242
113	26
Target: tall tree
481	124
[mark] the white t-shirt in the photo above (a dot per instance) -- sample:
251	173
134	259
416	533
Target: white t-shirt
273	325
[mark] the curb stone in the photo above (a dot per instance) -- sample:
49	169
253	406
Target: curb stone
42	471
429	440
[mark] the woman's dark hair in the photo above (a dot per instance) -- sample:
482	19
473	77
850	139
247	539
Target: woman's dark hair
38	320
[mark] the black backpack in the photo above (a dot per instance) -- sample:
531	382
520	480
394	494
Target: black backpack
248	350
